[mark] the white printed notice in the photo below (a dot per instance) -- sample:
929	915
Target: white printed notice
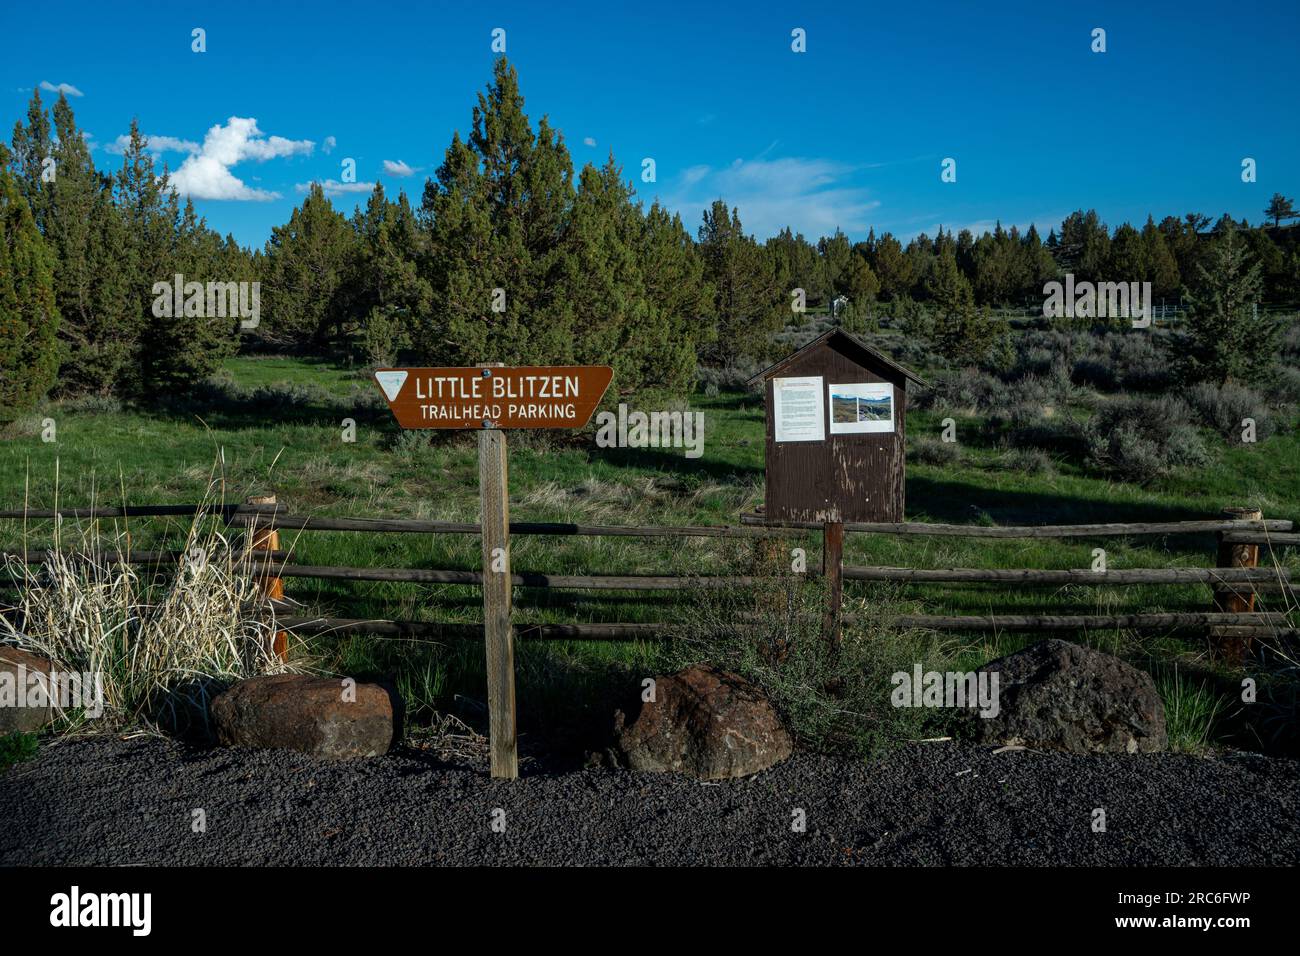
799	409
864	407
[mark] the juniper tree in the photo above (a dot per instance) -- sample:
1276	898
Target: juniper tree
184	348
1279	208
497	212
305	265
796	265
1162	266
837	261
963	333
748	304
1227	338
32	146
385	293
892	268
861	288
672	272
29	318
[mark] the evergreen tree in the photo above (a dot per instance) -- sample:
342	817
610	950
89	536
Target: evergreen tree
1162	267
385	292
673	274
1184	245
306	263
1228	339
796	265
498	213
963	333
605	288
748	304
1279	208
837	262
861	288
1040	267
892	268
29	359
1084	246
31	148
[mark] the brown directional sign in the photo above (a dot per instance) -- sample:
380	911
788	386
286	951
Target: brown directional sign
562	396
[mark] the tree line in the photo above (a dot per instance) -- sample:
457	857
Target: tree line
510	256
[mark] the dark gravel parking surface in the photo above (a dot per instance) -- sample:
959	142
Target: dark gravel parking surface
110	801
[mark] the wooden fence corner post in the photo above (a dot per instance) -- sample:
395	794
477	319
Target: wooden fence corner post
833	571
1235	598
268	539
498	634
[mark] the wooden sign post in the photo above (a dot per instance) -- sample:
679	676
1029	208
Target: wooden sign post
492	398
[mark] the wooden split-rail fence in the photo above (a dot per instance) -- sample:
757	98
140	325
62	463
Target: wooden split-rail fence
1232	621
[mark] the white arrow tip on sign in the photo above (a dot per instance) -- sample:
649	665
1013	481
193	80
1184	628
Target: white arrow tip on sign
391	382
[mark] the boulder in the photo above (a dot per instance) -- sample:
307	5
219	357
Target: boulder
1055	695
705	722
16	668
313	715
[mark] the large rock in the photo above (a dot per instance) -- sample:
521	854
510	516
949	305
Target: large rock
16	670
705	722
309	714
1056	695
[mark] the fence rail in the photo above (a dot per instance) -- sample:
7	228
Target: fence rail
1236	579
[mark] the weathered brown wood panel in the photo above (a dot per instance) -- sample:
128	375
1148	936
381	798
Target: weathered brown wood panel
845	477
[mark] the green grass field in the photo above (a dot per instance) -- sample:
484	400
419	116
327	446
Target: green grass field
276	425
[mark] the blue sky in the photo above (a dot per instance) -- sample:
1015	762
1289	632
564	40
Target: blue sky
851	133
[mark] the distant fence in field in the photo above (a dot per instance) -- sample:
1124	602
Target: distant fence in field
1235	578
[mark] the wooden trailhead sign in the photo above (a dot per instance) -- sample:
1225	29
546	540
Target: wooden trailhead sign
490	398
495	397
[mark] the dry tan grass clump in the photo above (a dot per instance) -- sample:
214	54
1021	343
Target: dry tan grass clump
162	637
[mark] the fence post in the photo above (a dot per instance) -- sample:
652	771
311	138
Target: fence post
498	634
268	539
833	570
1230	599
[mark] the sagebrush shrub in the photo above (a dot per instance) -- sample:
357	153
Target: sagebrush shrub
1224	407
1141	438
932	451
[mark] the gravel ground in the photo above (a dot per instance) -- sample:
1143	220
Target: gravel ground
109	801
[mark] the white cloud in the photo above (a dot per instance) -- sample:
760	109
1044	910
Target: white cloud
154	144
327	147
397	168
694	174
206	174
812	196
67	89
332	187
588	141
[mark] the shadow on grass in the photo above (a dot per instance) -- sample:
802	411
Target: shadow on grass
953	502
226	405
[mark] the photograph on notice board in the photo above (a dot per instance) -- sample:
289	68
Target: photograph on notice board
862	407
